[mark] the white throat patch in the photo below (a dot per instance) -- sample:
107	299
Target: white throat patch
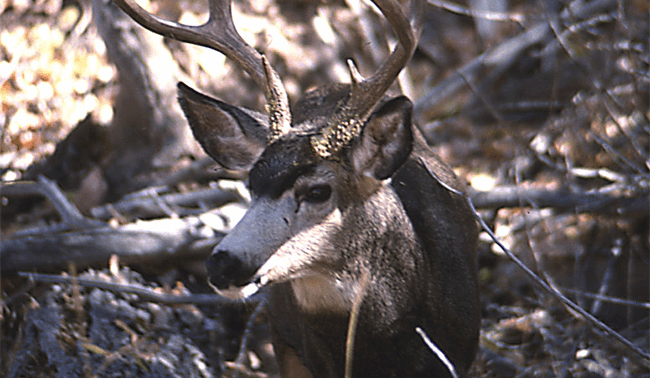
318	293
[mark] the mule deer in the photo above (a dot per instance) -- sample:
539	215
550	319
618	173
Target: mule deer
349	207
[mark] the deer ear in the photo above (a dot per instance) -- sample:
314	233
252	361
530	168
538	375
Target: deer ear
234	137
386	140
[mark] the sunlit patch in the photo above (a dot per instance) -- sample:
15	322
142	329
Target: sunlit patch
325	293
482	182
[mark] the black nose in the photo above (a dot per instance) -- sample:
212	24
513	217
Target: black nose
225	270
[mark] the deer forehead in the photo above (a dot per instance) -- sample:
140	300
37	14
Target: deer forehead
287	160
280	165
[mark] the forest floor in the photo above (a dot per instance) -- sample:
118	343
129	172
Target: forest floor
107	221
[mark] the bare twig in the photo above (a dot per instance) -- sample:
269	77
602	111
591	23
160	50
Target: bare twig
562	40
606	298
617	156
631	139
500	57
484	99
439	353
573	308
564	199
243	345
145	294
146	207
572	29
162	205
70	215
492	16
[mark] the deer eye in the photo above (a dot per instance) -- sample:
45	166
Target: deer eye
317	194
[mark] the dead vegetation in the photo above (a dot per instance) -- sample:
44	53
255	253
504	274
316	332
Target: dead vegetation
545	111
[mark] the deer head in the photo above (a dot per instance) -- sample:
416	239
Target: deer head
342	187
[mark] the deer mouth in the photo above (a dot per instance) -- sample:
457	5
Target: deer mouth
238	293
226	285
266	275
244	291
231	277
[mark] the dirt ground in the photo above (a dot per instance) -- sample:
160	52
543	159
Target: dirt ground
109	208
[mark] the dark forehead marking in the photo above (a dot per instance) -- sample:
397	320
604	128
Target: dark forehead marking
280	165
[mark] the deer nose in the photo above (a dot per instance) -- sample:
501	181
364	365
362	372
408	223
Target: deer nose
226	270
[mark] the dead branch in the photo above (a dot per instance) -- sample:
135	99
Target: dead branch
503	56
72	218
107	329
606	298
487	15
149	204
144	293
88	242
439	353
135	243
560	199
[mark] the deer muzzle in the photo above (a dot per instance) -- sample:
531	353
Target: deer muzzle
228	273
235	261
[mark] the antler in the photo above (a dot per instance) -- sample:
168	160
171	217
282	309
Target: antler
219	33
366	93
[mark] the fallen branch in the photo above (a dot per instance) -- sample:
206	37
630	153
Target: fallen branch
504	55
87	242
144	293
560	199
70	215
149	205
143	242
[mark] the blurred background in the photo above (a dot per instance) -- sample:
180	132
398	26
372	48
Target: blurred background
541	105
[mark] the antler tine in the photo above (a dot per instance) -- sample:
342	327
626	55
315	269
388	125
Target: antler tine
219	33
367	93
